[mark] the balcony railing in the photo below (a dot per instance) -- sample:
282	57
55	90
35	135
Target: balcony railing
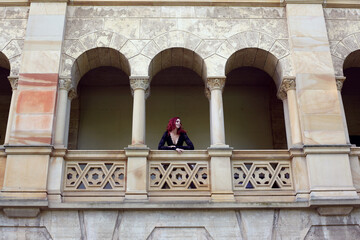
102	175
95	174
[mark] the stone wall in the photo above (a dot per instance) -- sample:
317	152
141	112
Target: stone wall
215	33
182	224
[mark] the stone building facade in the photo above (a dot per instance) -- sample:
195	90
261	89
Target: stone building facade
268	91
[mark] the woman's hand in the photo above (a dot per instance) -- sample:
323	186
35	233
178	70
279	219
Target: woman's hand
179	150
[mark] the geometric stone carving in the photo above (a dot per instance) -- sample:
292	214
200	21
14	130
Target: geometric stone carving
179	175
348	232
262	175
340	82
179	233
94	175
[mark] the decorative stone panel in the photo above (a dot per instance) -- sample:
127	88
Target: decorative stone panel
179	175
262	175
94	176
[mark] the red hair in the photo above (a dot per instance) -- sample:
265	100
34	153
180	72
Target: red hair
171	126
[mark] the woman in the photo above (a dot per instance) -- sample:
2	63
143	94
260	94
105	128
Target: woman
175	136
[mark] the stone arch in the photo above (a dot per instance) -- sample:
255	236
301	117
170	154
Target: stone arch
11	56
177	57
4	62
255	49
74	48
342	53
168	40
98	57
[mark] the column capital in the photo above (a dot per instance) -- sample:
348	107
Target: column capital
139	82
65	83
215	83
13	82
72	93
340	82
288	83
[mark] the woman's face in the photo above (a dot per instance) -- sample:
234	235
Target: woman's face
178	123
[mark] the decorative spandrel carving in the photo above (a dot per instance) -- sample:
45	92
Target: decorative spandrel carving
340	82
287	84
13	82
179	175
217	83
262	175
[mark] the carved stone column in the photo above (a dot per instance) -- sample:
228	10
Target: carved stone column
220	162
14	85
217	128
61	115
339	85
139	87
287	93
137	152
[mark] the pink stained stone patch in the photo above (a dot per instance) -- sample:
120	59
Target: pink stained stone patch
36	101
33	122
38	80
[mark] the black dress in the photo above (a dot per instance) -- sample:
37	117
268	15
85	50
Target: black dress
182	138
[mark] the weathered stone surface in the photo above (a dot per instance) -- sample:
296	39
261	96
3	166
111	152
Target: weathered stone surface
151	28
21	212
62	224
17	12
25	233
351	232
100	224
339	29
77	27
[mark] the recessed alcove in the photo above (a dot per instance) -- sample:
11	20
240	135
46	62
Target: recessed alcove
178	91
351	100
5	95
101	114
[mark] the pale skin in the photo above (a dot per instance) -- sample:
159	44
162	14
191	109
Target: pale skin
175	136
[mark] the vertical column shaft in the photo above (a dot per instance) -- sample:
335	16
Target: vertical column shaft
14	85
287	91
61	115
217	128
139	85
339	85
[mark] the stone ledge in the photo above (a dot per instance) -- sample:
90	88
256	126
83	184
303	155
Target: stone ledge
21	212
334	211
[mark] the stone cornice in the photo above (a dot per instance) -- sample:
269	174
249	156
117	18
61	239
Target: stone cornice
339	82
288	83
252	3
215	83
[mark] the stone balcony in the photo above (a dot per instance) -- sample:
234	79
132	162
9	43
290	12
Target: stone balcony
257	176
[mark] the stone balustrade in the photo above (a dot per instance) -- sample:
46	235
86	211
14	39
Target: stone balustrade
256	175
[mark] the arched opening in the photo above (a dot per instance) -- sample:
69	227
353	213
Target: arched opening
100	116
5	95
351	96
177	89
254	116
